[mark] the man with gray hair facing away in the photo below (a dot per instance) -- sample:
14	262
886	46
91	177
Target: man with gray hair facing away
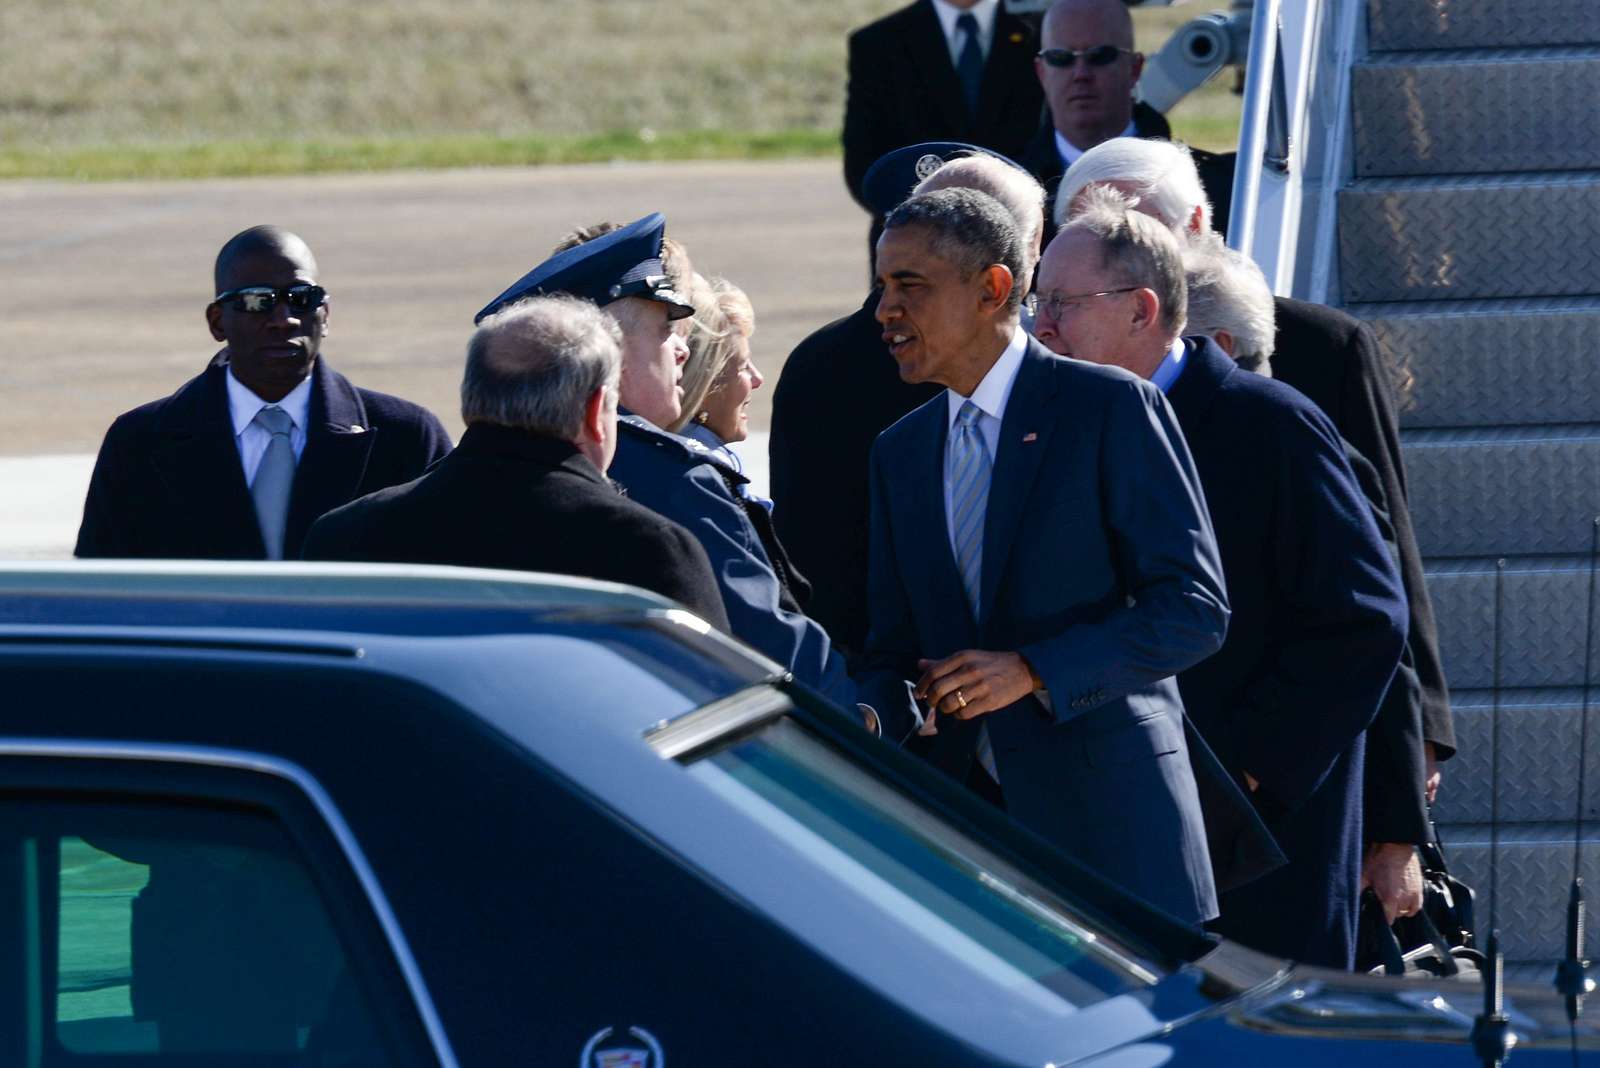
1041	565
1318	620
526	490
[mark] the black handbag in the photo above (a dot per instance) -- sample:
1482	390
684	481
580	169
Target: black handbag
1440	940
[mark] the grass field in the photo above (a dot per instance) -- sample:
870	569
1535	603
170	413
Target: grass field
185	88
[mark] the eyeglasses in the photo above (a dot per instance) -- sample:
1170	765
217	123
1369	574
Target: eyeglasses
258	299
1052	306
1098	56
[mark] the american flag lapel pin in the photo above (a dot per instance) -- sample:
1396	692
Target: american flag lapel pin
1029	438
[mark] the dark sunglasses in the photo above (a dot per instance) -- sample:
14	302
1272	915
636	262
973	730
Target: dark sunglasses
1098	56
265	298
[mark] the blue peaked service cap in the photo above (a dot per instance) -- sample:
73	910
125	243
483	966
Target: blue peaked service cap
890	180
623	263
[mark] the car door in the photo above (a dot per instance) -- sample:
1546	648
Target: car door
185	906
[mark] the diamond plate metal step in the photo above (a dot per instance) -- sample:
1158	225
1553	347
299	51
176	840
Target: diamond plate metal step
1481	236
1542	625
1539	734
1476	112
1527	490
1449	360
1406	24
1535	872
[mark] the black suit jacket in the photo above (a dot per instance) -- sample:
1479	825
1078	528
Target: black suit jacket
509	499
838	390
903	89
1333	358
1317	631
168	482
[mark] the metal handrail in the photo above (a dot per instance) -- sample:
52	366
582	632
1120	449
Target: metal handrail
1260	81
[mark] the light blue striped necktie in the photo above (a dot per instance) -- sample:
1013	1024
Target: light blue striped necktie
969	497
969	502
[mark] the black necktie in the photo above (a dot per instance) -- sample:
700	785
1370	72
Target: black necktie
970	66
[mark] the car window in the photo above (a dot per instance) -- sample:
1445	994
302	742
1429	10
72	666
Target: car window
917	870
190	933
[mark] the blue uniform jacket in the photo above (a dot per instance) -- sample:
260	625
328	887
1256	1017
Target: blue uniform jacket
678	478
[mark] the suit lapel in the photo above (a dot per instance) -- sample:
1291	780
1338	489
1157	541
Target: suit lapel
198	459
338	444
923	488
928	53
1004	70
1024	438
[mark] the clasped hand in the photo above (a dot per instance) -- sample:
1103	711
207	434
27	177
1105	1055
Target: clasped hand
972	683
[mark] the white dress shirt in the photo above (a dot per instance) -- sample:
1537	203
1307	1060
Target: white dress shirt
984	11
1070	152
252	439
991	397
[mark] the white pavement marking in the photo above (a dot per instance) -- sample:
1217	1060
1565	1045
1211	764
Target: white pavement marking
41	499
41	502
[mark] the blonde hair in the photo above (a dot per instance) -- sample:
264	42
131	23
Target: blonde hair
722	319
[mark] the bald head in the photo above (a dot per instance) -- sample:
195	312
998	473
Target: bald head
254	244
1089	103
1111	17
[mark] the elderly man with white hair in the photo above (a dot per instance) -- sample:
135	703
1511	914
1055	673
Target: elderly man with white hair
1318	622
1333	359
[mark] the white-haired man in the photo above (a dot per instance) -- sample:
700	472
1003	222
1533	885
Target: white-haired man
1333	359
1318	621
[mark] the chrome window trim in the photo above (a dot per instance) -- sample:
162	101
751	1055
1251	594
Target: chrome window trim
725	716
297	776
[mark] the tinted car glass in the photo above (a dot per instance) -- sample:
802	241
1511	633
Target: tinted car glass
916	870
163	933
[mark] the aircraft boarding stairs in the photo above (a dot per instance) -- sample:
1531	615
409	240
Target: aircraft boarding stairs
1469	238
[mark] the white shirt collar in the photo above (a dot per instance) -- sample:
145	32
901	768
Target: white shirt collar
984	11
243	404
994	392
1070	152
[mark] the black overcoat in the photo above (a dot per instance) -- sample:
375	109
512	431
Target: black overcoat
509	499
1317	631
168	483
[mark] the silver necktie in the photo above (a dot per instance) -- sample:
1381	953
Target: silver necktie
274	478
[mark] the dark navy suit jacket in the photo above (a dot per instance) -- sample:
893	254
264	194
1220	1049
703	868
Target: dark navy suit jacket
168	482
1318	626
1100	568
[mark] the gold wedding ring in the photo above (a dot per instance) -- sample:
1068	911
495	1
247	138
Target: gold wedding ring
962	698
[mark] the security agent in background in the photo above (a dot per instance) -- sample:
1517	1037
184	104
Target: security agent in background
840	388
621	271
1088	68
240	461
938	70
1318	613
526	488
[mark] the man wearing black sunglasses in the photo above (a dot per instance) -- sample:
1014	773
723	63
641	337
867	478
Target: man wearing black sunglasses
240	461
1088	68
